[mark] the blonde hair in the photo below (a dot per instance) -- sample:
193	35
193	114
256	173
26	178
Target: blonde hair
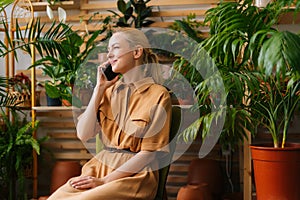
150	60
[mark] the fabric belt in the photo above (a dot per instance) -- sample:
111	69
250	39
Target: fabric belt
115	150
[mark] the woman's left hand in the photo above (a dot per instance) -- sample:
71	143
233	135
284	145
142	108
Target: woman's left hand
85	182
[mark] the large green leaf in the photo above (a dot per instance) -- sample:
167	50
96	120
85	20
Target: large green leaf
189	30
121	6
52	91
280	52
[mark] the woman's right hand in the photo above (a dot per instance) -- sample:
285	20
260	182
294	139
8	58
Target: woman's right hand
85	182
102	82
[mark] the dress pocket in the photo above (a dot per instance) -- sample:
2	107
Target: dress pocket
141	119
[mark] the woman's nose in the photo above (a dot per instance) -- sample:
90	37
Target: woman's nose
109	54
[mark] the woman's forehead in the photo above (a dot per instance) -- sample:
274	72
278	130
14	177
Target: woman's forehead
117	38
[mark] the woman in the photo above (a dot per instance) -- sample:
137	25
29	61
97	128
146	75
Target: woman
134	118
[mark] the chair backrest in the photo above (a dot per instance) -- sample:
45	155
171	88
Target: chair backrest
163	172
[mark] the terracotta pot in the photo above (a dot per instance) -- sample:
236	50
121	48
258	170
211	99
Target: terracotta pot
207	171
276	171
194	192
62	172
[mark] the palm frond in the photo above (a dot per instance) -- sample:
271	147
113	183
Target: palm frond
280	51
46	41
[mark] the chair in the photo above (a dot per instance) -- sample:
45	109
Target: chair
163	172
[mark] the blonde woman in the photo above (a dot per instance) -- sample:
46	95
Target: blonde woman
133	115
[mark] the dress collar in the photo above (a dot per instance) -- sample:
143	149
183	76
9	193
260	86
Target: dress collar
140	85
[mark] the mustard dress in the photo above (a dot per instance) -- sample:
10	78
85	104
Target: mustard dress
133	118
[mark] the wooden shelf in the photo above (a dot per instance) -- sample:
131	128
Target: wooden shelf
56	108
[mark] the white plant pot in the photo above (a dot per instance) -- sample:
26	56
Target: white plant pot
262	3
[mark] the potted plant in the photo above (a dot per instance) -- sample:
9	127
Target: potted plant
20	89
222	66
279	98
134	13
49	42
62	52
274	107
245	46
62	64
16	146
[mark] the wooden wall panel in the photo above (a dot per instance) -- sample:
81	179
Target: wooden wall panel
164	11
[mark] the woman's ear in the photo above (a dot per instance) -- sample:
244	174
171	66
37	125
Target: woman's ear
138	52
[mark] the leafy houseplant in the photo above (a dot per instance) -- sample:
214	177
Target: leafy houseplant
258	64
16	146
189	26
239	38
21	83
280	86
254	48
62	51
134	13
49	42
280	89
20	89
16	140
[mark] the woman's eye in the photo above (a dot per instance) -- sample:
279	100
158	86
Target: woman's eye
113	48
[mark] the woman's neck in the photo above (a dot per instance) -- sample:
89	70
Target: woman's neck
134	74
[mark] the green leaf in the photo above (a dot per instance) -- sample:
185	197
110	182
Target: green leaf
281	52
5	3
121	6
291	46
190	31
52	91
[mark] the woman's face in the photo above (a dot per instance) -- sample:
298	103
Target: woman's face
120	54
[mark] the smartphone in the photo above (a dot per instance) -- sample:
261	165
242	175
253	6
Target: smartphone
109	74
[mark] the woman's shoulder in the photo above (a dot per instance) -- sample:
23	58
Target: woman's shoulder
157	88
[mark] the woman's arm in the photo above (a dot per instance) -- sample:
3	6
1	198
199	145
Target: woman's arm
87	121
132	166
